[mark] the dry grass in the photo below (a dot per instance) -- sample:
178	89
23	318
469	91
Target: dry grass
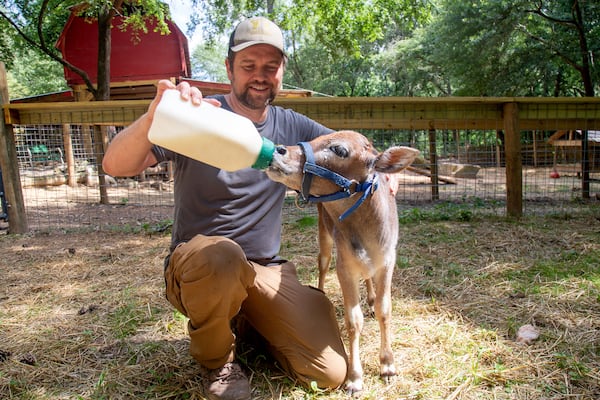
82	314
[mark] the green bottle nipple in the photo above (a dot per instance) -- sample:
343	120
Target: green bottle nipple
265	155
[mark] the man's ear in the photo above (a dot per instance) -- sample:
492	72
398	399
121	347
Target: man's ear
228	68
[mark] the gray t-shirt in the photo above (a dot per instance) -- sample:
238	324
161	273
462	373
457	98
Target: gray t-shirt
244	205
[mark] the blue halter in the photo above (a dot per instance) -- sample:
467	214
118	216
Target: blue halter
349	187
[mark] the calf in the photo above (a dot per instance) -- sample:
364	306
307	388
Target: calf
352	184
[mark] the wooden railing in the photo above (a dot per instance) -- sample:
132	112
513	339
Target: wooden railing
354	112
510	115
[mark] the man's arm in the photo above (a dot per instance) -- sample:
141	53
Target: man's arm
130	152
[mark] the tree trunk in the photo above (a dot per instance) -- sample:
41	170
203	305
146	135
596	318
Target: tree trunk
104	49
103	93
586	75
588	85
270	6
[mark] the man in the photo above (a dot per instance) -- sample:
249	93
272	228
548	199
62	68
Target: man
224	263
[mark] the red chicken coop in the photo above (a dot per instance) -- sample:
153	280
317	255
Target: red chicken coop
132	63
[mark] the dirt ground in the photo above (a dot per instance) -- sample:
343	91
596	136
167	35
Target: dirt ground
83	314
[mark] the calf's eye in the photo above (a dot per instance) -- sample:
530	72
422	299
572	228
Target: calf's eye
339	151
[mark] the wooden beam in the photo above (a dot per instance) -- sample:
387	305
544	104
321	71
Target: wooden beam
567	143
122	112
353	112
425	172
422	113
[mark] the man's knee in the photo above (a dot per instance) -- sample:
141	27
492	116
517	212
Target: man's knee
208	273
329	376
213	256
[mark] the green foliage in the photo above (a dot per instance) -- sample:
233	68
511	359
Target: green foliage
158	227
306	222
6	42
337	42
136	16
38	24
32	73
419	48
357	48
331	43
569	264
511	47
407	69
22	18
208	62
125	320
443	211
576	370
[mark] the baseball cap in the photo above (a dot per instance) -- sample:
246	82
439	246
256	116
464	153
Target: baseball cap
256	30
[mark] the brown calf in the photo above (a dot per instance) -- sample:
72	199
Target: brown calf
354	186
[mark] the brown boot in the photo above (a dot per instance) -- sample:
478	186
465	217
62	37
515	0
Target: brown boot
226	383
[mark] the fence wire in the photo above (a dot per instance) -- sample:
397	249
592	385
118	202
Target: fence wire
459	166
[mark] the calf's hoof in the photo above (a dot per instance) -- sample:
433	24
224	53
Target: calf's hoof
354	387
388	372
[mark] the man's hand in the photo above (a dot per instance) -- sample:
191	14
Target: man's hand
187	93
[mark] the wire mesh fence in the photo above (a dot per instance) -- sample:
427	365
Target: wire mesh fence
471	169
58	198
458	164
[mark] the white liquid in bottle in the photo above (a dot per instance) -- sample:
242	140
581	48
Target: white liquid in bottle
209	134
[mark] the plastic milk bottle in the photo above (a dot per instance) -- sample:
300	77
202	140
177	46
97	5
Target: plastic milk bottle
209	134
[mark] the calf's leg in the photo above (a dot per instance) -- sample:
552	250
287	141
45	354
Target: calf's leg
383	313
349	283
325	244
370	295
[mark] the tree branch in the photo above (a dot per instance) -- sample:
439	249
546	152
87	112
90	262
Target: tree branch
41	45
40	21
50	52
550	18
19	31
554	50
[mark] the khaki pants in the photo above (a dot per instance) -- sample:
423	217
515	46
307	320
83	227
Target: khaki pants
210	281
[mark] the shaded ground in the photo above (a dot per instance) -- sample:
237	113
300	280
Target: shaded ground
82	312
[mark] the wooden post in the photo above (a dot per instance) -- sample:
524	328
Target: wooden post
435	189
17	217
585	165
535	150
514	164
69	157
498	152
100	144
170	171
87	133
457	143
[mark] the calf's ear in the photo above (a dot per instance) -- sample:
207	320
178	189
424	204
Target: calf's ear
395	159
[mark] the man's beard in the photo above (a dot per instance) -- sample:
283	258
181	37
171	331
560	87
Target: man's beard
254	103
